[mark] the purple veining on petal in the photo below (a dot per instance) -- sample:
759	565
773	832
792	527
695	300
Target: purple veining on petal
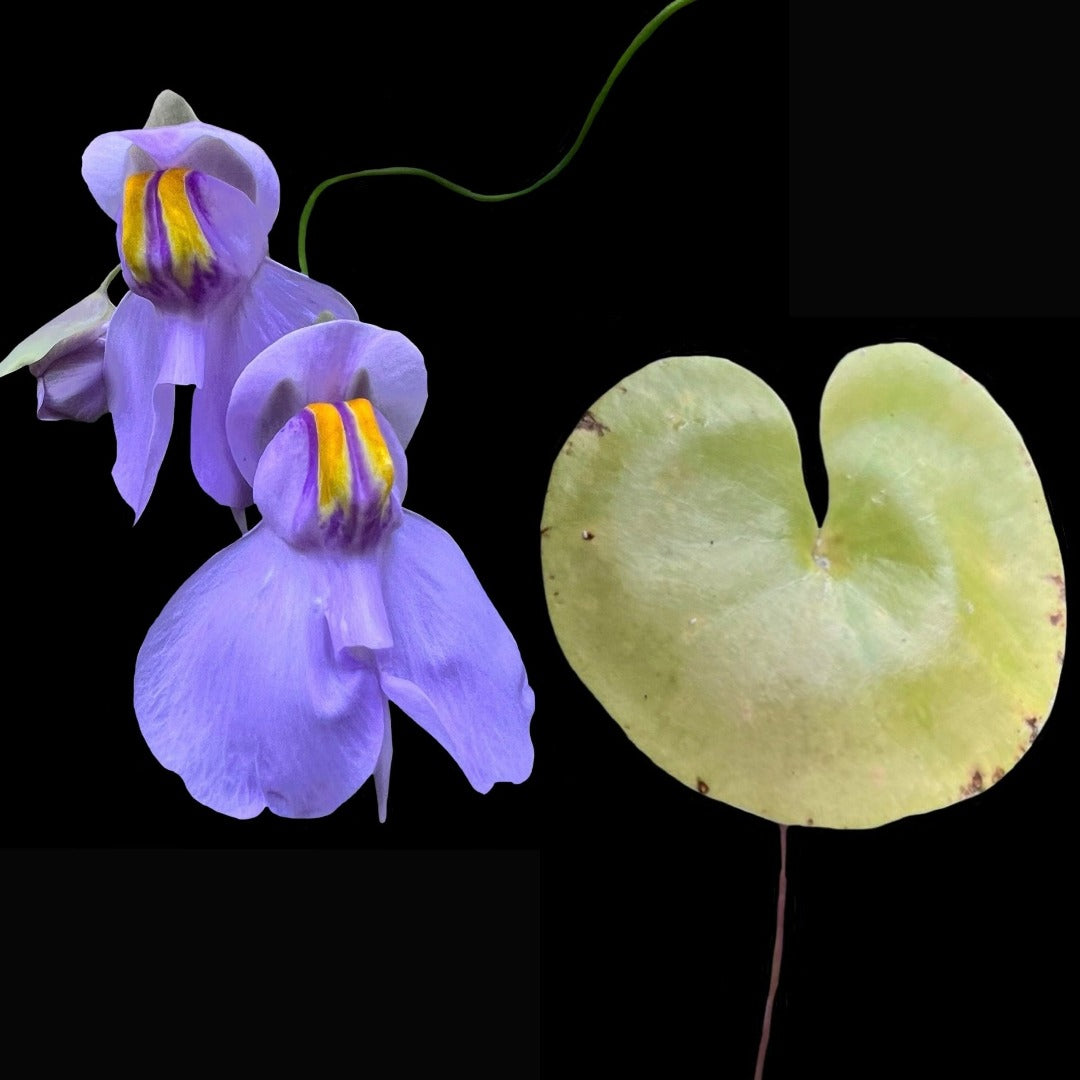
286	484
308	497
156	240
190	241
346	526
333	527
307	505
364	493
353	512
206	282
193	187
370	505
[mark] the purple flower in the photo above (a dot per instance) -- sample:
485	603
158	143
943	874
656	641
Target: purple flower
193	205
67	357
266	681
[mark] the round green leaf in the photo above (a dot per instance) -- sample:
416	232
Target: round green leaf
900	657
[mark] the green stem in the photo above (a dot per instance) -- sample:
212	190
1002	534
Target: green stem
404	170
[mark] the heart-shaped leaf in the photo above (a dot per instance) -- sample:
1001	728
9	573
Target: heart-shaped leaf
900	657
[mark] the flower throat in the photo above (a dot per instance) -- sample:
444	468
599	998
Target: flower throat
161	237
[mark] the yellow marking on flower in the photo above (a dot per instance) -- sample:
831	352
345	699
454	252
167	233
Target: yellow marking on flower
335	475
187	243
376	453
133	226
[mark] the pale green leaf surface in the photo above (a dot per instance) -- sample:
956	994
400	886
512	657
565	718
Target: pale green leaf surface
900	658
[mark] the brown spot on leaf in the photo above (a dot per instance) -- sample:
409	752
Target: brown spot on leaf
809	821
1033	723
999	772
1056	618
1061	657
622	389
1059	581
586	535
589	423
702	786
973	786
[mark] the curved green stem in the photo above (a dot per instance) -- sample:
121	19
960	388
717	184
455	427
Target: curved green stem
404	170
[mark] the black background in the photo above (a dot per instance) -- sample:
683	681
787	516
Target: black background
929	944
931	169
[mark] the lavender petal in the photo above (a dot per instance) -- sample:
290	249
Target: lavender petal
230	157
276	301
239	690
146	354
330	361
454	666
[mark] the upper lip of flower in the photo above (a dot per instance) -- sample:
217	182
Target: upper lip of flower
168	141
329	361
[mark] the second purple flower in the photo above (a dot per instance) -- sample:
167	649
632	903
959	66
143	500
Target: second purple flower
266	681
